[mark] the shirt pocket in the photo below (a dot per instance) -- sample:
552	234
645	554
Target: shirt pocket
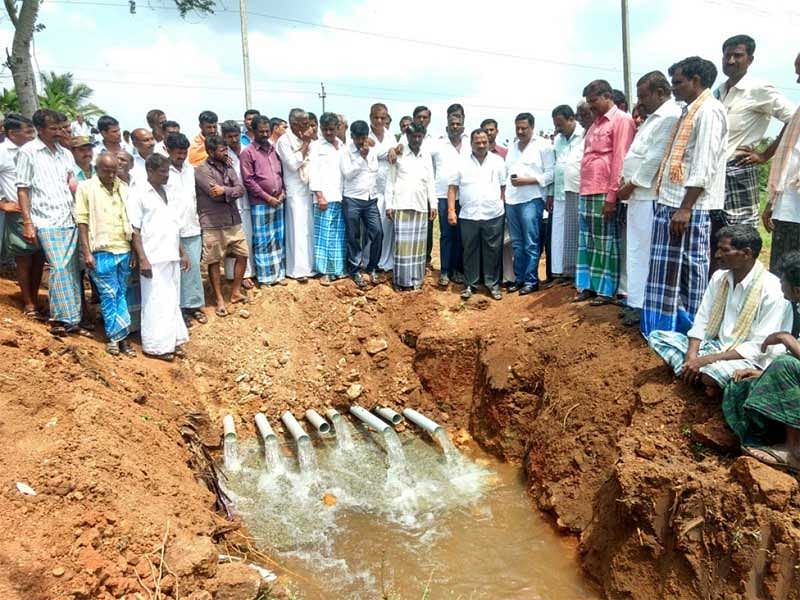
601	142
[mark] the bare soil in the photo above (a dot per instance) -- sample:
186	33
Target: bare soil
640	469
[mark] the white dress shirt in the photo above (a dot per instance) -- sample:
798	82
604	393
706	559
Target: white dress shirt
381	149
294	164
181	186
774	314
537	160
138	171
751	104
703	161
45	174
242	202
410	185
787	204
324	170
161	148
479	187
647	151
446	160
8	171
568	154
158	222
359	174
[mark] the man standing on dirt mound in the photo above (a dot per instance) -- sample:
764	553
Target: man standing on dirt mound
691	183
743	305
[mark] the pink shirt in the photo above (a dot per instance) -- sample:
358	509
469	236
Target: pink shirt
607	142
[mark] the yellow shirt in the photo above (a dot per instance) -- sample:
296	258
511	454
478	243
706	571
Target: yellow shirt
104	213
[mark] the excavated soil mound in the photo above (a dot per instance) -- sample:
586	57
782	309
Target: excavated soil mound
640	468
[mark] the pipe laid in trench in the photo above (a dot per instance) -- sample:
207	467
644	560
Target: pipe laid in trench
228	427
421	420
332	414
263	426
389	415
368	418
320	424
293	427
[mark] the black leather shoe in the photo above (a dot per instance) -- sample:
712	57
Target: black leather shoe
529	289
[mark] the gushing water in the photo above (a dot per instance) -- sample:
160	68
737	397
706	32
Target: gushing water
344	433
306	456
230	453
441	438
273	461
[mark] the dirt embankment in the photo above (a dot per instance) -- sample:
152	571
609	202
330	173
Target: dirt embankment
604	433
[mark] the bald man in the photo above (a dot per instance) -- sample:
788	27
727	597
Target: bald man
144	142
105	239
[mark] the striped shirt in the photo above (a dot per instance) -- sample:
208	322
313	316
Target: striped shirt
9	152
703	160
45	173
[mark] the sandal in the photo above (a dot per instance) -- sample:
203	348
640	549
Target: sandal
199	316
600	301
240	300
58	330
79	330
180	352
221	311
584	296
168	357
774	456
112	348
126	349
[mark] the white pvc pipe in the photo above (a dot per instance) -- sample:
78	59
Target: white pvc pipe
320	424
228	426
421	420
389	415
368	418
332	414
293	427
263	426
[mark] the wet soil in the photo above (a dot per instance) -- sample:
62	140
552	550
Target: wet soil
636	467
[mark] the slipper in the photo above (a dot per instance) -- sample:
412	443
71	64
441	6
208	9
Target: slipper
79	330
34	314
773	456
168	357
600	301
180	352
199	316
584	296
221	311
112	348
240	300
58	330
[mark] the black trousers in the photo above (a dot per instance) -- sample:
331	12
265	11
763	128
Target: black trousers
358	213
483	246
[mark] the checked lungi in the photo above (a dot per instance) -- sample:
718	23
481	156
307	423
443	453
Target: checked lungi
759	410
60	246
741	194
410	238
678	274
110	275
268	239
330	240
163	327
672	347
564	237
192	295
597	267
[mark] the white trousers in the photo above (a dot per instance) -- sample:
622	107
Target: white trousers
638	242
162	322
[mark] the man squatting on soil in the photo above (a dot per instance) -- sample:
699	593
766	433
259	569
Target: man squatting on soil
656	215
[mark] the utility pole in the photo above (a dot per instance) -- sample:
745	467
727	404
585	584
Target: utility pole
248	99
323	95
626	53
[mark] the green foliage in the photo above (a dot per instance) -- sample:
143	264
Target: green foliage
201	6
61	93
9	101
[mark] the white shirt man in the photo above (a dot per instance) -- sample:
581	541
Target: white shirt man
324	173
413	185
640	168
565	189
80	129
299	214
381	149
325	181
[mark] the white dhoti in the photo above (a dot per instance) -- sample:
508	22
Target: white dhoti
638	242
247	227
386	263
558	224
508	258
162	326
299	236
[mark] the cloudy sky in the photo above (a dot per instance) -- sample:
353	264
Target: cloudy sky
496	58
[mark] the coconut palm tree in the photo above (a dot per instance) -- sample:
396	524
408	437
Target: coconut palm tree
61	93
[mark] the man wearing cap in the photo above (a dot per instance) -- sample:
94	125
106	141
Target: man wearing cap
81	146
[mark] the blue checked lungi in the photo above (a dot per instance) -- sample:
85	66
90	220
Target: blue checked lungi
410	237
110	274
672	347
678	274
192	295
597	266
268	238
330	241
60	246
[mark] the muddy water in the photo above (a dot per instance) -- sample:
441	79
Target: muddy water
432	528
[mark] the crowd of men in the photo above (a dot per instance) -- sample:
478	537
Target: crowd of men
655	211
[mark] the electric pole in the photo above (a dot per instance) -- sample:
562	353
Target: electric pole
626	49
248	99
323	95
